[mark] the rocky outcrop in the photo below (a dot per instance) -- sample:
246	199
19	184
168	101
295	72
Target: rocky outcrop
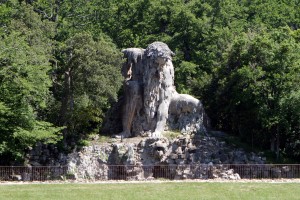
184	157
180	158
45	155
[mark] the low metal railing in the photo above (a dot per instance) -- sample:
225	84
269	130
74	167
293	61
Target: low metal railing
36	173
150	172
266	171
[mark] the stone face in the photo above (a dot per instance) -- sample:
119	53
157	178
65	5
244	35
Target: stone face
183	157
147	158
151	103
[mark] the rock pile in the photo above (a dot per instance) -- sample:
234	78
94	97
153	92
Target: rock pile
180	158
45	155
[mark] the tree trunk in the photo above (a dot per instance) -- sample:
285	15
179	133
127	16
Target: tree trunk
273	139
277	144
63	121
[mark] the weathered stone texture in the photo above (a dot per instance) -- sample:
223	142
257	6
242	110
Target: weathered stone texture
180	158
151	103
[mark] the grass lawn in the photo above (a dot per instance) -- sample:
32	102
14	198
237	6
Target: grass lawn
157	191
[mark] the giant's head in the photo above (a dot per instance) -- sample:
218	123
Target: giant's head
159	52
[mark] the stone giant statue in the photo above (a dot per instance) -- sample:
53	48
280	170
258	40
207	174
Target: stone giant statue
152	104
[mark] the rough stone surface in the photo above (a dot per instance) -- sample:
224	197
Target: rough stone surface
151	103
184	157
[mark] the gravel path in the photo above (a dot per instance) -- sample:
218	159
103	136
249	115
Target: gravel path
156	181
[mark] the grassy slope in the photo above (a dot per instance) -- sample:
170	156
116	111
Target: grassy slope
151	191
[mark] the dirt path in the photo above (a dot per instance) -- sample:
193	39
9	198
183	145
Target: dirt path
156	181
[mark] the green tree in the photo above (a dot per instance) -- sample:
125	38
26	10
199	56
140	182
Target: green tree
260	72
24	84
87	79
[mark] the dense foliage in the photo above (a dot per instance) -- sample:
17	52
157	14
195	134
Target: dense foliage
60	65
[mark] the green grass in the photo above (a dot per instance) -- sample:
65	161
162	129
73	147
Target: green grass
171	134
144	191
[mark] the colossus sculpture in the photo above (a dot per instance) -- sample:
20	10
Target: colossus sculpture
152	103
